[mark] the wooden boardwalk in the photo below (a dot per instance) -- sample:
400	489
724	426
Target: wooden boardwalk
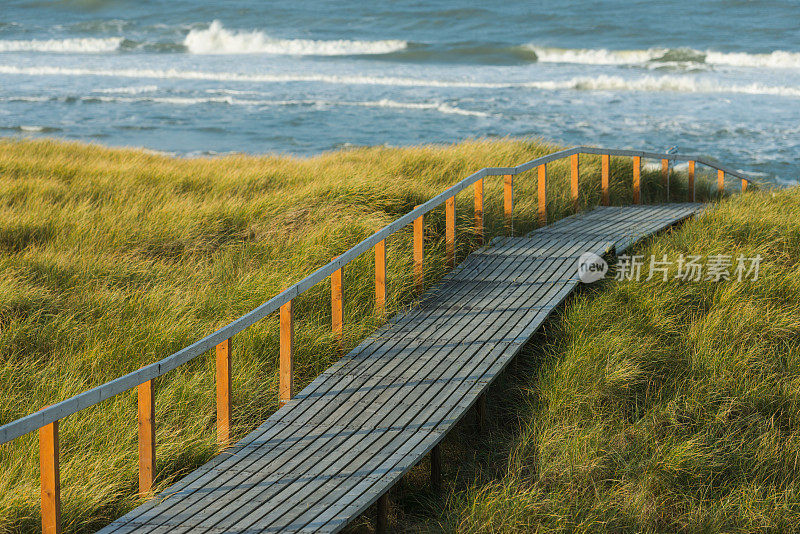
342	442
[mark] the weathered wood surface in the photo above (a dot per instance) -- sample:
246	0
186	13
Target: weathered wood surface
342	442
624	225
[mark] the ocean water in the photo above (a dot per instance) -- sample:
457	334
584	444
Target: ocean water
719	78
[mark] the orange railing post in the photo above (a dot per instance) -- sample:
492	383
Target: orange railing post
337	308
637	177
605	165
380	277
224	388
508	202
665	176
286	372
147	435
744	185
541	202
720	182
691	180
50	478
450	230
479	211
574	175
419	252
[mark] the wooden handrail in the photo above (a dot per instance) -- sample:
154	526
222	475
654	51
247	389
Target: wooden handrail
46	420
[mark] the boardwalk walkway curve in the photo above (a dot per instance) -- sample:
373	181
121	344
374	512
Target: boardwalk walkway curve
340	444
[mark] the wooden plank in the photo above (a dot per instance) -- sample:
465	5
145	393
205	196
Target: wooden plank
260	502
337	308
450	231
261	505
574	178
605	170
508	203
637	169
542	199
380	278
382	522
50	478
480	412
147	436
479	211
436	468
303	406
224	405
427	406
286	371
419	254
520	339
691	181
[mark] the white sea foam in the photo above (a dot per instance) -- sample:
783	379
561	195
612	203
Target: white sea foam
776	59
680	84
132	90
598	56
779	59
86	45
676	84
218	40
175	74
229	100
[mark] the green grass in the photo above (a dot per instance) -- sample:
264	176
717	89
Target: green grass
112	259
662	407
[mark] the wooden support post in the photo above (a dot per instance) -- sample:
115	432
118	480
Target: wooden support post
382	523
380	278
479	211
419	252
337	308
605	164
480	411
637	178
542	198
691	181
508	203
224	411
720	182
450	230
50	477
436	468
744	185
286	378
574	176
665	177
147	436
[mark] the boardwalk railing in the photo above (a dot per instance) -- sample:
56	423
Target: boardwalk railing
46	420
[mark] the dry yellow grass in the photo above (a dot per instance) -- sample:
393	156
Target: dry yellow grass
112	259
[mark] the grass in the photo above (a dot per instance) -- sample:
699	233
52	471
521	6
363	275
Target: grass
659	406
112	259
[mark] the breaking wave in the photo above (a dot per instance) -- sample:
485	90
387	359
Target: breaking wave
218	40
689	56
86	45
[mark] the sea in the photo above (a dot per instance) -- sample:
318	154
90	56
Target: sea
717	78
